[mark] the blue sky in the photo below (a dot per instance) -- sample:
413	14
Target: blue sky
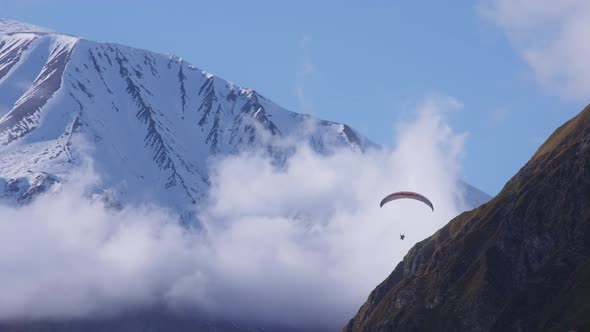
368	63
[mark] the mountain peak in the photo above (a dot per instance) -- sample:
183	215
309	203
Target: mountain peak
10	26
152	120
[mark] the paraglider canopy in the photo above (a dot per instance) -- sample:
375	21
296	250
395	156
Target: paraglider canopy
406	194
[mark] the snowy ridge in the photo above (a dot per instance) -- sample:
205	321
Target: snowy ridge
148	121
10	27
24	115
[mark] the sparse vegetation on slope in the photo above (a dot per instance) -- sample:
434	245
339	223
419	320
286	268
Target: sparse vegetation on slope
518	263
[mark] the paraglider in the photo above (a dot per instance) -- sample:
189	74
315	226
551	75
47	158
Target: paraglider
406	194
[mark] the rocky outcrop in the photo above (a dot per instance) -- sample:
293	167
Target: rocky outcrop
23	190
521	262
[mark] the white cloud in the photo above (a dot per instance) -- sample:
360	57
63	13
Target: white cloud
552	37
300	244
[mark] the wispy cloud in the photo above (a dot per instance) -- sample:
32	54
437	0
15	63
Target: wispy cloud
498	116
301	244
307	67
552	37
305	70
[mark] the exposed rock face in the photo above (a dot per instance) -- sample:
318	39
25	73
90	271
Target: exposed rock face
22	190
521	262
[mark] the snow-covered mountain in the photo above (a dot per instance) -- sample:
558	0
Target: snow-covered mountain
148	121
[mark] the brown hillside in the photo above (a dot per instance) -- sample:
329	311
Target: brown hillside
518	263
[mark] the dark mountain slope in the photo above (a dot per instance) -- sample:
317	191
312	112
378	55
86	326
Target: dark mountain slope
521	262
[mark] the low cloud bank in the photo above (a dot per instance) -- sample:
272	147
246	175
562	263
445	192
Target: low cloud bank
302	244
